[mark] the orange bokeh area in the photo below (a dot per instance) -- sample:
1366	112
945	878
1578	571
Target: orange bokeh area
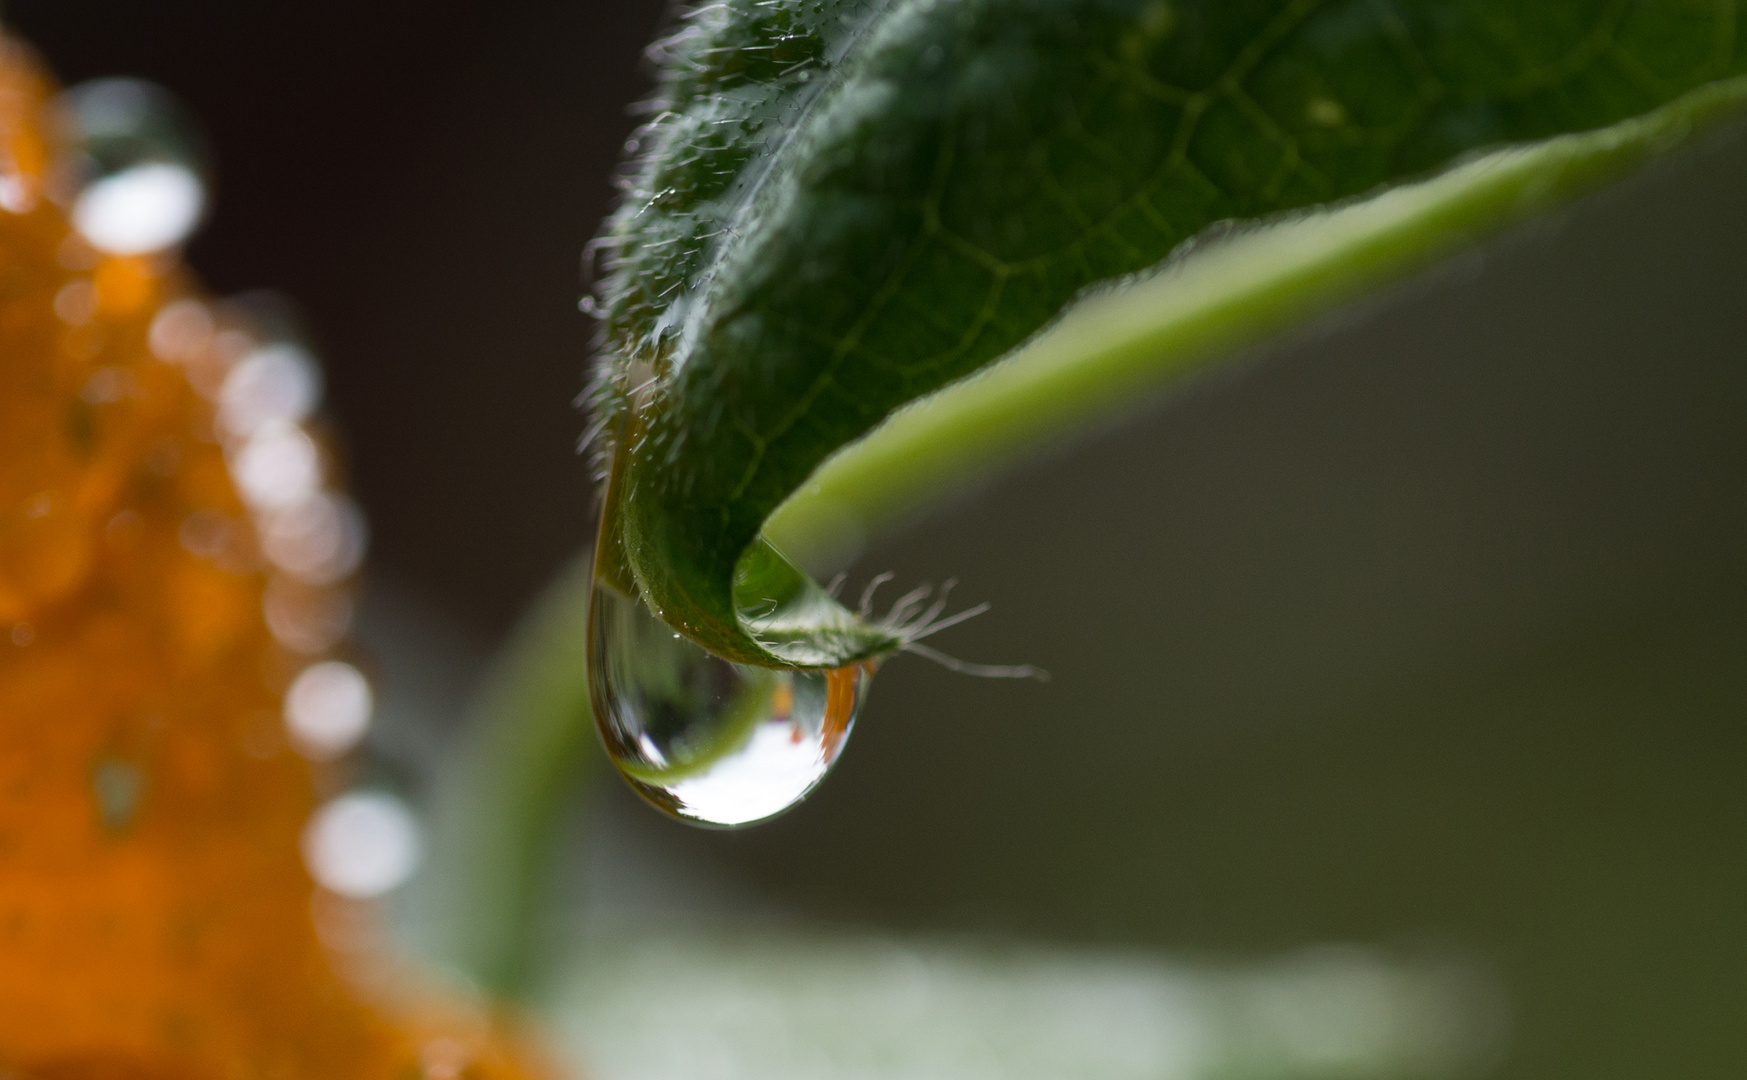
156	918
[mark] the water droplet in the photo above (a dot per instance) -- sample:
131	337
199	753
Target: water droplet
134	172
703	739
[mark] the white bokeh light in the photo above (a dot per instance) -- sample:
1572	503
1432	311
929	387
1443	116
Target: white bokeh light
319	540
17	193
278	467
362	844
277	382
181	330
327	709
305	618
143	209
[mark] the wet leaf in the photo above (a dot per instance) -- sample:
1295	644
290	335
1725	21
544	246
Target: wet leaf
841	208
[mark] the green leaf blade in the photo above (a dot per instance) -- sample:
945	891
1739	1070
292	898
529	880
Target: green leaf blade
973	167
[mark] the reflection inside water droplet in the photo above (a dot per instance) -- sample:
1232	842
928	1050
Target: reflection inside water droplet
704	739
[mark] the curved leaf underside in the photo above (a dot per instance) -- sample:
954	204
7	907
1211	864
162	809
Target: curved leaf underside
842	207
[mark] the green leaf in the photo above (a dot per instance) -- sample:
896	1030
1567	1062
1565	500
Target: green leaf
843	207
1114	349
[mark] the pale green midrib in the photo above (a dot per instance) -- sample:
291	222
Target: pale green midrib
1115	347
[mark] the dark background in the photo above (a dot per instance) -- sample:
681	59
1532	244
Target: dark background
421	179
1425	626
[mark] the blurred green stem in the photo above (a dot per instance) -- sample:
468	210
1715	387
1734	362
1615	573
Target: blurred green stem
527	751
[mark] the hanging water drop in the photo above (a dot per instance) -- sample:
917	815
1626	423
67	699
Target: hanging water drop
133	176
703	739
